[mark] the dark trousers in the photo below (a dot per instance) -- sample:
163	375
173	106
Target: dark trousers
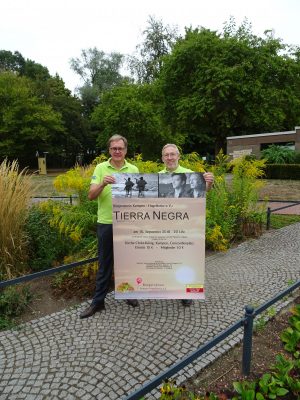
106	262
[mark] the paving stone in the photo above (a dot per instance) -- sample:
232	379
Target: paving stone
109	355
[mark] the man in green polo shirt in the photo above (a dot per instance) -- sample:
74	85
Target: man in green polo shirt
170	157
100	189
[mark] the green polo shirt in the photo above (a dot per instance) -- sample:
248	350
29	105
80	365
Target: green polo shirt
105	198
178	170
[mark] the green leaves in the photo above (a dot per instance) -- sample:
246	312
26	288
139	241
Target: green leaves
291	335
26	124
134	110
230	84
276	154
245	389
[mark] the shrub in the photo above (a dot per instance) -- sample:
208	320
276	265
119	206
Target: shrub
15	191
76	180
297	157
46	244
145	167
13	301
276	154
282	171
232	207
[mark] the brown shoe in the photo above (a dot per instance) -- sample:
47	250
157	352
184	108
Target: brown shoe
92	309
186	302
132	303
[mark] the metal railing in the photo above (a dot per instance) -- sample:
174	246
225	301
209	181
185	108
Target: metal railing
51	271
270	210
70	198
246	322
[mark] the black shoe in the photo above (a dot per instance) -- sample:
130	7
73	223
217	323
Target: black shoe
132	303
92	309
187	303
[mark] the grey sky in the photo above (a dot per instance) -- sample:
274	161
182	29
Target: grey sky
52	32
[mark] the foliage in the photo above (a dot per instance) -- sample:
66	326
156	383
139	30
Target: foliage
245	390
221	216
75	181
291	335
146	167
45	243
232	208
26	123
15	191
11	61
134	111
13	301
261	321
281	220
245	184
270	388
192	161
218	85
50	96
170	391
276	154
99	71
283	171
76	138
158	41
283	380
76	222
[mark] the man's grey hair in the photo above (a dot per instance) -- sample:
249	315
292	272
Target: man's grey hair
170	145
115	138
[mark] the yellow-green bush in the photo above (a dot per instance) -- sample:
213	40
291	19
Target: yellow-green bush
233	210
75	181
231	205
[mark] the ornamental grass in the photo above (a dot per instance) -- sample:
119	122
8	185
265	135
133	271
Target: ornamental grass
15	192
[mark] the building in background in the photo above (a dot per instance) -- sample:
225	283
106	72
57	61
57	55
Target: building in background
238	146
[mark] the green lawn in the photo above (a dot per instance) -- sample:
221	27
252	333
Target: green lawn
281	220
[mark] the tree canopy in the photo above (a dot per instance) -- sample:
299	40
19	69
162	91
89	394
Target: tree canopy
158	41
193	90
26	124
222	85
133	111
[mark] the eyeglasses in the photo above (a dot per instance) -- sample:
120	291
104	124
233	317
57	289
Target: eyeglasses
115	149
170	155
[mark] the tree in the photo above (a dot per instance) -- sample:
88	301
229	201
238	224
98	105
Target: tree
11	61
26	124
233	84
158	41
133	111
99	71
76	138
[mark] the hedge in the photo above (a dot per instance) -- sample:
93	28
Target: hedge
282	171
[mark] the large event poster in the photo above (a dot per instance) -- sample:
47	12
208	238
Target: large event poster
159	236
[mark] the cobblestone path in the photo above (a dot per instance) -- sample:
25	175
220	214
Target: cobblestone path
110	354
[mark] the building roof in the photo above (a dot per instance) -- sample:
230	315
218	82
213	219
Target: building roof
263	134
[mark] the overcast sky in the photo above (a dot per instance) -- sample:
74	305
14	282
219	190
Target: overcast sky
52	32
